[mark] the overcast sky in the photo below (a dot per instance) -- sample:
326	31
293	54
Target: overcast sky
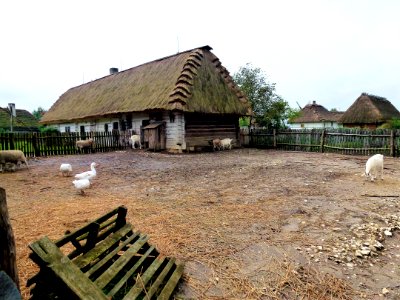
329	51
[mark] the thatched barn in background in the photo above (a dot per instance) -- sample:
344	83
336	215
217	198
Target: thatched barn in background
190	93
23	122
369	111
316	116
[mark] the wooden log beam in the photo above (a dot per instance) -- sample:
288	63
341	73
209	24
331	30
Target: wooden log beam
8	254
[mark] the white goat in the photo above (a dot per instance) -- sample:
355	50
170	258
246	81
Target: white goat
80	144
226	143
12	156
136	139
373	166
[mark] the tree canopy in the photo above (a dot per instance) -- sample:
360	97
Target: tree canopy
38	113
270	110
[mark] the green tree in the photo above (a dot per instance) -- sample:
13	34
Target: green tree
38	113
270	110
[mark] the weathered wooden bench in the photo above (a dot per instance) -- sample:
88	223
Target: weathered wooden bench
105	259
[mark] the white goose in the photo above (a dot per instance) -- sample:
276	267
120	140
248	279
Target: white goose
81	185
88	174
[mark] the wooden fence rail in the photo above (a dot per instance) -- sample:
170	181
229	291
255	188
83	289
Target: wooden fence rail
344	141
46	144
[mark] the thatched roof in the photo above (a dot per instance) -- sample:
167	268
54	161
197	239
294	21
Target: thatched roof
315	113
191	81
370	109
24	121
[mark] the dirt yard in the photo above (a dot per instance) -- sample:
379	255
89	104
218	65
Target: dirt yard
247	223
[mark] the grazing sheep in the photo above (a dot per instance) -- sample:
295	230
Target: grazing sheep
373	166
136	139
81	144
12	156
216	144
226	143
66	169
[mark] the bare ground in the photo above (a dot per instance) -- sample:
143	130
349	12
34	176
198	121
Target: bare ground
247	223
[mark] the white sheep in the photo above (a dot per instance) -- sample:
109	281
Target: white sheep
80	144
136	139
373	166
66	169
226	143
216	144
12	156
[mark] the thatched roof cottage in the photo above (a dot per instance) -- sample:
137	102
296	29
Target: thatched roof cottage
316	116
23	122
190	94
369	111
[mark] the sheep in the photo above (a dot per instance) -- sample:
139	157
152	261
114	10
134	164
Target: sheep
136	139
66	169
373	166
226	143
216	143
12	156
81	144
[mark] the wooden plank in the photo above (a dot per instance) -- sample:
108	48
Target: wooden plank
144	279
120	263
171	284
156	284
129	274
64	269
101	247
104	260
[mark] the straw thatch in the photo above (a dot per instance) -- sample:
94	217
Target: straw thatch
315	113
24	121
191	81
370	109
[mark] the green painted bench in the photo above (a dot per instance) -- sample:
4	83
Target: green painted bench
105	259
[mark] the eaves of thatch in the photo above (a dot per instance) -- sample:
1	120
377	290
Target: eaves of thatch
190	81
370	109
315	113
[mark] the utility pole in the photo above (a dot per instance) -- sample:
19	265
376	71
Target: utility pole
13	114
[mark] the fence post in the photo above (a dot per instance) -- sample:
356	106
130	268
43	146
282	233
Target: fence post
321	149
392	143
11	135
274	133
36	149
8	261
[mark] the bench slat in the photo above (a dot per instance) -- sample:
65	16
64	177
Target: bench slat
144	279
171	284
129	274
64	269
90	256
120	263
110	255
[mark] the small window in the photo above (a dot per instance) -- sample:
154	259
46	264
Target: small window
302	125
67	129
115	126
82	128
105	127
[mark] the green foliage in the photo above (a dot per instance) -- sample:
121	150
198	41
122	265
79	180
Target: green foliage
392	124
48	129
38	113
269	109
244	122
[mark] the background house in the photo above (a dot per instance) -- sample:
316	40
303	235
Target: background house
369	111
23	122
190	92
316	116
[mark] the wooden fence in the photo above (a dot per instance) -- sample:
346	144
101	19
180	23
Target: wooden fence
343	141
46	144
